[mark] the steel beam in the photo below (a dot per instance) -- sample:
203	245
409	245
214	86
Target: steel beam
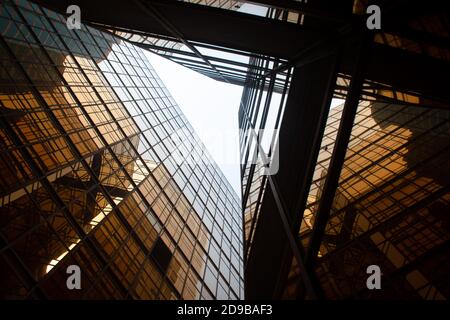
339	151
210	25
271	254
402	69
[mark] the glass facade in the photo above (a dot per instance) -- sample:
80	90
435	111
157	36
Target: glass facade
101	169
99	153
390	206
217	62
173	44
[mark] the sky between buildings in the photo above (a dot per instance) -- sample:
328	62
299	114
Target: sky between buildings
212	107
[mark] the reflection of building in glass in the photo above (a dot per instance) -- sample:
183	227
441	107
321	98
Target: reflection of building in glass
89	175
364	183
390	207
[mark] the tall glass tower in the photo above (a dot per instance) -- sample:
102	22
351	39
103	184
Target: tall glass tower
344	144
101	169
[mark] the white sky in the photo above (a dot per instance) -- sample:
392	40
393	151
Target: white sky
212	109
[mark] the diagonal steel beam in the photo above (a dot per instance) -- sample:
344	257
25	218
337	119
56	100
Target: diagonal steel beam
223	28
340	148
153	12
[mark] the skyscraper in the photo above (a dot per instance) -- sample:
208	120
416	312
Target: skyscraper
101	169
328	192
390	207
